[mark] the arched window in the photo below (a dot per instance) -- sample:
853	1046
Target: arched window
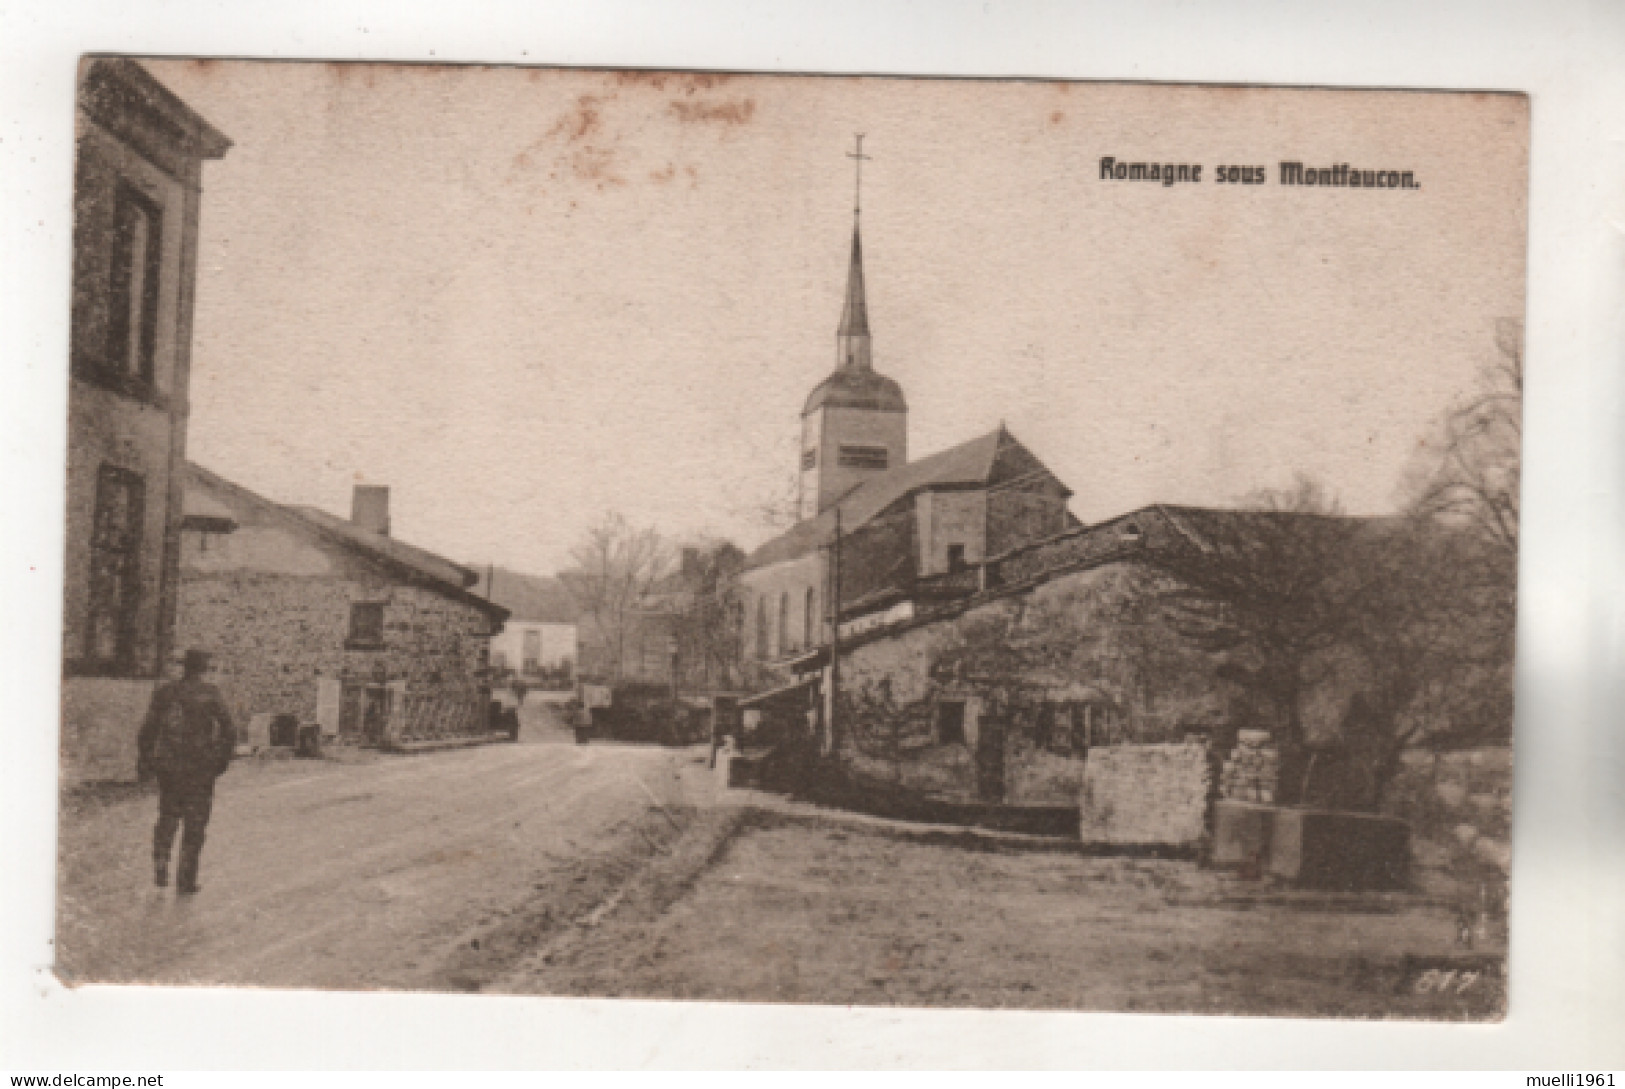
810	620
761	628
784	622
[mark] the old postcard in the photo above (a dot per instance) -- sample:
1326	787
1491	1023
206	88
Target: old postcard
857	541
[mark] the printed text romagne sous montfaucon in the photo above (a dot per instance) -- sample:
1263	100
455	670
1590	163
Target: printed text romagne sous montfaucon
1328	176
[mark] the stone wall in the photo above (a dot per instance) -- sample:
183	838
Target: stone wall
945	518
893	686
1146	795
275	636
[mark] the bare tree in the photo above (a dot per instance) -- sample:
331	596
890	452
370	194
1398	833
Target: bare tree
1272	588
617	568
1469	471
714	612
780	509
1386	632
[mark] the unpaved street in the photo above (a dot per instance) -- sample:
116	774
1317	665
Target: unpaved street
606	870
817	908
363	872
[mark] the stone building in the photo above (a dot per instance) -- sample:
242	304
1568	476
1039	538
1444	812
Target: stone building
137	189
332	620
1003	693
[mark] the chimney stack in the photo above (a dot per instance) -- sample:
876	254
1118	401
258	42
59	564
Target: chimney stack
369	509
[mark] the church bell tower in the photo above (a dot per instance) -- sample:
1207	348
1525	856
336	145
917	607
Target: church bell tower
854	425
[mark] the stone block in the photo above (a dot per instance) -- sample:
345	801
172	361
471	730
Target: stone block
1241	832
1333	849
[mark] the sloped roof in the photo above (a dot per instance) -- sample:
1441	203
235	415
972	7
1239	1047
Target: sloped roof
856	387
417	563
982	461
534	597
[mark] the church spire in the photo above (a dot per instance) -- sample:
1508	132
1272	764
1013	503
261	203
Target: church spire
852	338
855	316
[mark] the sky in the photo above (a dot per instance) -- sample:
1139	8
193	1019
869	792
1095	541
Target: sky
523	298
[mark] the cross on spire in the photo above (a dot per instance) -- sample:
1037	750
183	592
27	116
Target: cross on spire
857	192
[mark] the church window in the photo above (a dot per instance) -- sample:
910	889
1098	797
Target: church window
810	620
784	622
115	555
761	628
864	457
809	459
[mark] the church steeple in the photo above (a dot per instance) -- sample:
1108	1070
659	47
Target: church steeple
854	425
852	338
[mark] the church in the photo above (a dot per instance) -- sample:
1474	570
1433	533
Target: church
880	537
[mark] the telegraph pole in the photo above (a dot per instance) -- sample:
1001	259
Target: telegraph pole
832	695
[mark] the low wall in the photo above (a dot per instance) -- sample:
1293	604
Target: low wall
1145	795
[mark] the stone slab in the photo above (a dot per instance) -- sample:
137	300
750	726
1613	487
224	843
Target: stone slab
1241	832
1333	849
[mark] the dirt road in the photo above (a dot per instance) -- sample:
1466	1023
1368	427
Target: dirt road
369	873
809	909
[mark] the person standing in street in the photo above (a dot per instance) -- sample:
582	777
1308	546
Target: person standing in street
186	742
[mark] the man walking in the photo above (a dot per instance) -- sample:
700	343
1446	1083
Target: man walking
187	741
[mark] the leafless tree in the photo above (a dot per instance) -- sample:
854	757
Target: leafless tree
1406	619
714	611
1469	471
780	509
1273	587
617	568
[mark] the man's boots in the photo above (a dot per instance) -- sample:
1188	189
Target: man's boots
186	875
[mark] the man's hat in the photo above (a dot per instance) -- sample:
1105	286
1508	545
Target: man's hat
197	661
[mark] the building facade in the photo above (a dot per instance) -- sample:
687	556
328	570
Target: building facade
137	192
331	620
536	652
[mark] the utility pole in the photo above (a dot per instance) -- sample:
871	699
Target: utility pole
832	695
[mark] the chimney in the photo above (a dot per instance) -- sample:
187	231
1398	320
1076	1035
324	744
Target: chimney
369	509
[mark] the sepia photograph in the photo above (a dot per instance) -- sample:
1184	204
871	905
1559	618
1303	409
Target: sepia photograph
827	540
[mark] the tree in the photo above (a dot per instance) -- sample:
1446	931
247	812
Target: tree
1270	588
1468	473
617	568
714	611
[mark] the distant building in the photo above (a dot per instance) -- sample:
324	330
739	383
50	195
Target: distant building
539	641
332	620
137	189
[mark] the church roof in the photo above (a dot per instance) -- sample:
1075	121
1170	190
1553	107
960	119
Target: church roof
850	387
990	459
854	384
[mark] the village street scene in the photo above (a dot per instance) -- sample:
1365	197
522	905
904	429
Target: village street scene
781	539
